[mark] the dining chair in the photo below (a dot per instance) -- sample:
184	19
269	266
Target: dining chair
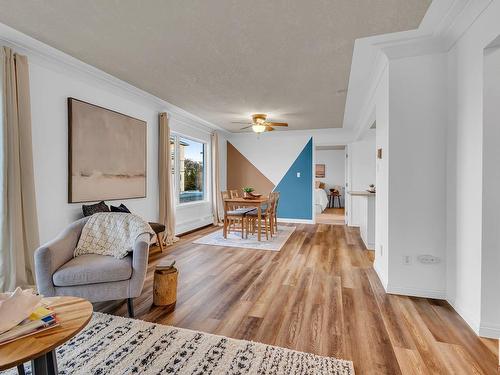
233	216
266	218
236	194
275	210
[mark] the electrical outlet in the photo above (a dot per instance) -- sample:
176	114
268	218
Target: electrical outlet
298	174
406	260
428	259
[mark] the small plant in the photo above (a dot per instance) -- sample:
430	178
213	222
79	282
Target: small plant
248	189
371	185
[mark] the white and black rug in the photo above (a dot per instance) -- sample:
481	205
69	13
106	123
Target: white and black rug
234	239
115	345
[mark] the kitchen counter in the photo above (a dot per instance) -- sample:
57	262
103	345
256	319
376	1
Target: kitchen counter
361	193
367	218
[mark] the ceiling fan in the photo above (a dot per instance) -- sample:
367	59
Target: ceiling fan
259	123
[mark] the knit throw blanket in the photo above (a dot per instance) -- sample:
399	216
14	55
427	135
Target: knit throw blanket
111	233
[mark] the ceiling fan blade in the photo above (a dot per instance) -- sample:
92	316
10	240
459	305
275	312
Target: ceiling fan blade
241	122
269	128
246	127
276	123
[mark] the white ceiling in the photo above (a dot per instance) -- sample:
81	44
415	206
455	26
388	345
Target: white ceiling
222	59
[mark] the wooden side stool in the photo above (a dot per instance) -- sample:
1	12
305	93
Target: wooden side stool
165	285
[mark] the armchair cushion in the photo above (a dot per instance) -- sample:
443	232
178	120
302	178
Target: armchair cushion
93	269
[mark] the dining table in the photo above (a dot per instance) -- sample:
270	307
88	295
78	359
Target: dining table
256	202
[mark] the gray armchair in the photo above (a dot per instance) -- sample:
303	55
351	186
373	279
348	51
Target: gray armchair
91	276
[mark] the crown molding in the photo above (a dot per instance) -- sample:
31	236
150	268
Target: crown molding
445	22
52	58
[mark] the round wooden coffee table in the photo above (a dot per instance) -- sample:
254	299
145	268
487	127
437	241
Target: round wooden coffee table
72	313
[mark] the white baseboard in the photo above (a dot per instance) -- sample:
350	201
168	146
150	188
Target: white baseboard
368	245
190	225
380	274
483	329
489	330
416	292
466	315
297	221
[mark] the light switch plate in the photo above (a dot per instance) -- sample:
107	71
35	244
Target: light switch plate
298	174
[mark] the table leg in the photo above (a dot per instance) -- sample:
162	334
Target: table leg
20	369
259	224
45	364
52	362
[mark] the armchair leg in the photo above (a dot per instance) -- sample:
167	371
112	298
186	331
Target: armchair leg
130	307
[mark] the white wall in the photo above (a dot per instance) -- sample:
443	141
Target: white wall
467	254
429	112
50	89
54	77
417	174
334	161
271	153
361	163
430	125
381	263
490	276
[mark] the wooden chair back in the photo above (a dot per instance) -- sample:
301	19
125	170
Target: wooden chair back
225	195
234	193
271	207
276	198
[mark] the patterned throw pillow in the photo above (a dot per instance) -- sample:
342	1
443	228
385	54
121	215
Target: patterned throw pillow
90	209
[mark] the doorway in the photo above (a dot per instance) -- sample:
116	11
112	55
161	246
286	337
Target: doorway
329	189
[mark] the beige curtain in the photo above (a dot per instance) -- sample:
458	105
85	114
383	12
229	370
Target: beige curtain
167	206
19	224
216	197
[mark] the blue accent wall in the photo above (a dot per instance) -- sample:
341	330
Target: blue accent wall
296	192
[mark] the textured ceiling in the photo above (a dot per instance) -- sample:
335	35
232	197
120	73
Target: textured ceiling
222	59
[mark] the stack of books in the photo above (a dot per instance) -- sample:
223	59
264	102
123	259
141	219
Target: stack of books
40	320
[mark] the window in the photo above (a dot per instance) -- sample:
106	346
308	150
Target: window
188	161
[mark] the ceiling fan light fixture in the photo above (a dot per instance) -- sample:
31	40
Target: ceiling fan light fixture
258	128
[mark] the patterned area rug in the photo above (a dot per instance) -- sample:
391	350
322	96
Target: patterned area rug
115	345
234	240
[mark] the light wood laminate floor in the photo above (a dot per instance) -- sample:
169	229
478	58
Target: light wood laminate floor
335	216
319	294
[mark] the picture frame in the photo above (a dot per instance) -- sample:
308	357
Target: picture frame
320	170
107	154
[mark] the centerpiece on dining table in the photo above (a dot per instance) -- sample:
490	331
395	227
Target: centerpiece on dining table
248	193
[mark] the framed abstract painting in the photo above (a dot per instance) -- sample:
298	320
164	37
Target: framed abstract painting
107	154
